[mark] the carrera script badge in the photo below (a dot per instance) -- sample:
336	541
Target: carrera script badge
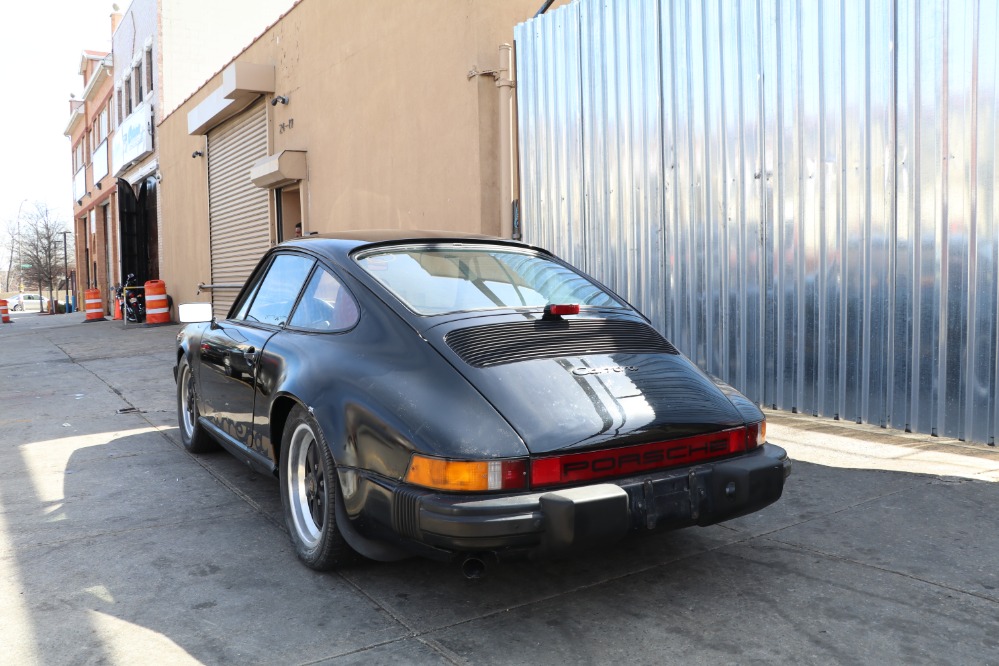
606	370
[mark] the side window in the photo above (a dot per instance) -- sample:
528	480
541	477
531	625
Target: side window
325	305
244	306
278	290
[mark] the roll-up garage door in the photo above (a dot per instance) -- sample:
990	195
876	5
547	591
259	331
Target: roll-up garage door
237	209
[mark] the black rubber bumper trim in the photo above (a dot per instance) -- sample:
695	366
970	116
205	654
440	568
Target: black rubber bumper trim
565	520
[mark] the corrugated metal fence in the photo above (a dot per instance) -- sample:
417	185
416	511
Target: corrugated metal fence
801	195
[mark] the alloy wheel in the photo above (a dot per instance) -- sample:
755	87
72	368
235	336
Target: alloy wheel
307	489
187	401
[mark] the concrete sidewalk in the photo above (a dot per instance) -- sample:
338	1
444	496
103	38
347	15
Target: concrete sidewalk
116	546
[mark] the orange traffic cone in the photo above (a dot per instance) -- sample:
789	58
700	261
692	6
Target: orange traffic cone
117	309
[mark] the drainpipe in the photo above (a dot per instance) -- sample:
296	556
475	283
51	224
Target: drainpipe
544	8
507	139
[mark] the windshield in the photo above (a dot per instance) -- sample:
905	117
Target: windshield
441	279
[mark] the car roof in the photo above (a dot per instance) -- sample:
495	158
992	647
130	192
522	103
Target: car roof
339	245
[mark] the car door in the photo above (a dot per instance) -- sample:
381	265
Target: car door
230	351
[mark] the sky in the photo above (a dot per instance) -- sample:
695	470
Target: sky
40	47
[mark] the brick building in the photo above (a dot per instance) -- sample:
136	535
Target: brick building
94	209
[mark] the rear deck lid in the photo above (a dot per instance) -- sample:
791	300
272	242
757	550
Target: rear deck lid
585	382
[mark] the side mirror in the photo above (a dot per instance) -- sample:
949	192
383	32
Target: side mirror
191	313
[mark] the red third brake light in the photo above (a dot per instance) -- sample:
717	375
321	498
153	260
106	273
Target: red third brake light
628	460
563	309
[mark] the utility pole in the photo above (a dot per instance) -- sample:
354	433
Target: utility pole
65	272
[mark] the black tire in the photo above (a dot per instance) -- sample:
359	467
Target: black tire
309	491
193	436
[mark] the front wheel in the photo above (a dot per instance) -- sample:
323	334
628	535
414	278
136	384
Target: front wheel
192	434
308	494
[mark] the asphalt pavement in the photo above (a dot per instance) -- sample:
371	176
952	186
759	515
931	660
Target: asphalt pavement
118	547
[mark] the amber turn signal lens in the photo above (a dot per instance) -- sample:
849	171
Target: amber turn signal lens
466	475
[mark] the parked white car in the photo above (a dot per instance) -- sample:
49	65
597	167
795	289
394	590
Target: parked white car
25	302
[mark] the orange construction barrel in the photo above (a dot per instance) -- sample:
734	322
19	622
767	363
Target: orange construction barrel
4	316
94	305
157	307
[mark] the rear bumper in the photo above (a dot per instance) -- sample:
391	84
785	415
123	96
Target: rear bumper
560	522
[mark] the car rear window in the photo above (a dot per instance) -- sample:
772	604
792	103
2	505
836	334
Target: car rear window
441	279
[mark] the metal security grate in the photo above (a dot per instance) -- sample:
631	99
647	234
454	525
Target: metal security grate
496	344
237	209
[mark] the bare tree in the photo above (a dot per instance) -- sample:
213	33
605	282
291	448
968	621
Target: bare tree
41	248
11	246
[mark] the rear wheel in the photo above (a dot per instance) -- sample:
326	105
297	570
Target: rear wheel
192	434
309	492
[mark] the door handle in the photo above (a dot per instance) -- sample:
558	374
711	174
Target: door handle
251	355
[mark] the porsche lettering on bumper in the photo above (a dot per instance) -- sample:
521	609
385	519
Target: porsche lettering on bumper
577	519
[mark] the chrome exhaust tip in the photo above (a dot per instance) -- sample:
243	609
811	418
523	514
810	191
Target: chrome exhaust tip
473	567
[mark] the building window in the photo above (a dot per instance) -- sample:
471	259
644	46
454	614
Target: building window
126	90
118	107
149	69
137	77
100	127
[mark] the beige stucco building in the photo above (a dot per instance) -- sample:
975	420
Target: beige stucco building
161	52
342	115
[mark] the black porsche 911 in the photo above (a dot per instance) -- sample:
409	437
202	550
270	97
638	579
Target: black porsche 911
462	398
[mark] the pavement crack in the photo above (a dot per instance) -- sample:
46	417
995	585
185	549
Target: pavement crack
443	651
112	388
581	588
849	507
882	569
83	538
231	487
745	539
412	632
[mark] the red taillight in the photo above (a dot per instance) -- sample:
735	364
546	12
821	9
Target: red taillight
513	474
628	460
559	310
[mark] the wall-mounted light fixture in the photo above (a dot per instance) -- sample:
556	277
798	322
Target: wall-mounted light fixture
197	154
279	99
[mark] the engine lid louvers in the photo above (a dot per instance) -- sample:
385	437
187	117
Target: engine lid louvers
497	344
